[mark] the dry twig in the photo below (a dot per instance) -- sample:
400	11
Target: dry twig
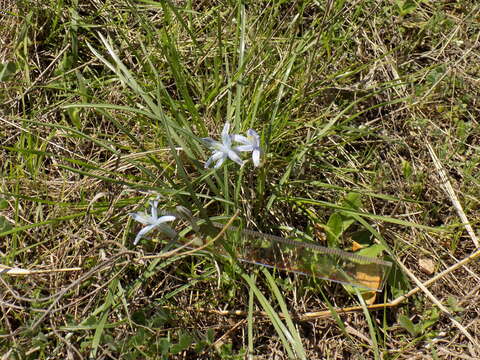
451	193
14	271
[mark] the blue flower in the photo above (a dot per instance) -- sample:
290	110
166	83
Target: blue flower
250	143
222	150
153	221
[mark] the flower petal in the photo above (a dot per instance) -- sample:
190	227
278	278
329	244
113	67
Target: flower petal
154	205
208	140
208	162
163	219
240	138
253	137
211	143
141	217
217	155
226	140
244	148
256	158
219	162
142	232
232	155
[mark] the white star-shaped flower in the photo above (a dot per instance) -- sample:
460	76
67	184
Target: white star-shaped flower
153	221
250	143
222	150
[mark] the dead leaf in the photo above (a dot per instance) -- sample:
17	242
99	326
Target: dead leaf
356	246
370	276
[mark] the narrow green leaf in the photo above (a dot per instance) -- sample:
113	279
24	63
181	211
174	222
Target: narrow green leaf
277	323
407	324
7	70
362	214
297	343
371	326
334	230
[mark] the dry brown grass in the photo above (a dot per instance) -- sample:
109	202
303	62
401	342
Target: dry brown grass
408	142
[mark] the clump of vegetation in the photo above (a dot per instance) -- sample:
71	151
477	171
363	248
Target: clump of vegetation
366	139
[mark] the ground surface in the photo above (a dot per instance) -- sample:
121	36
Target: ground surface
368	115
